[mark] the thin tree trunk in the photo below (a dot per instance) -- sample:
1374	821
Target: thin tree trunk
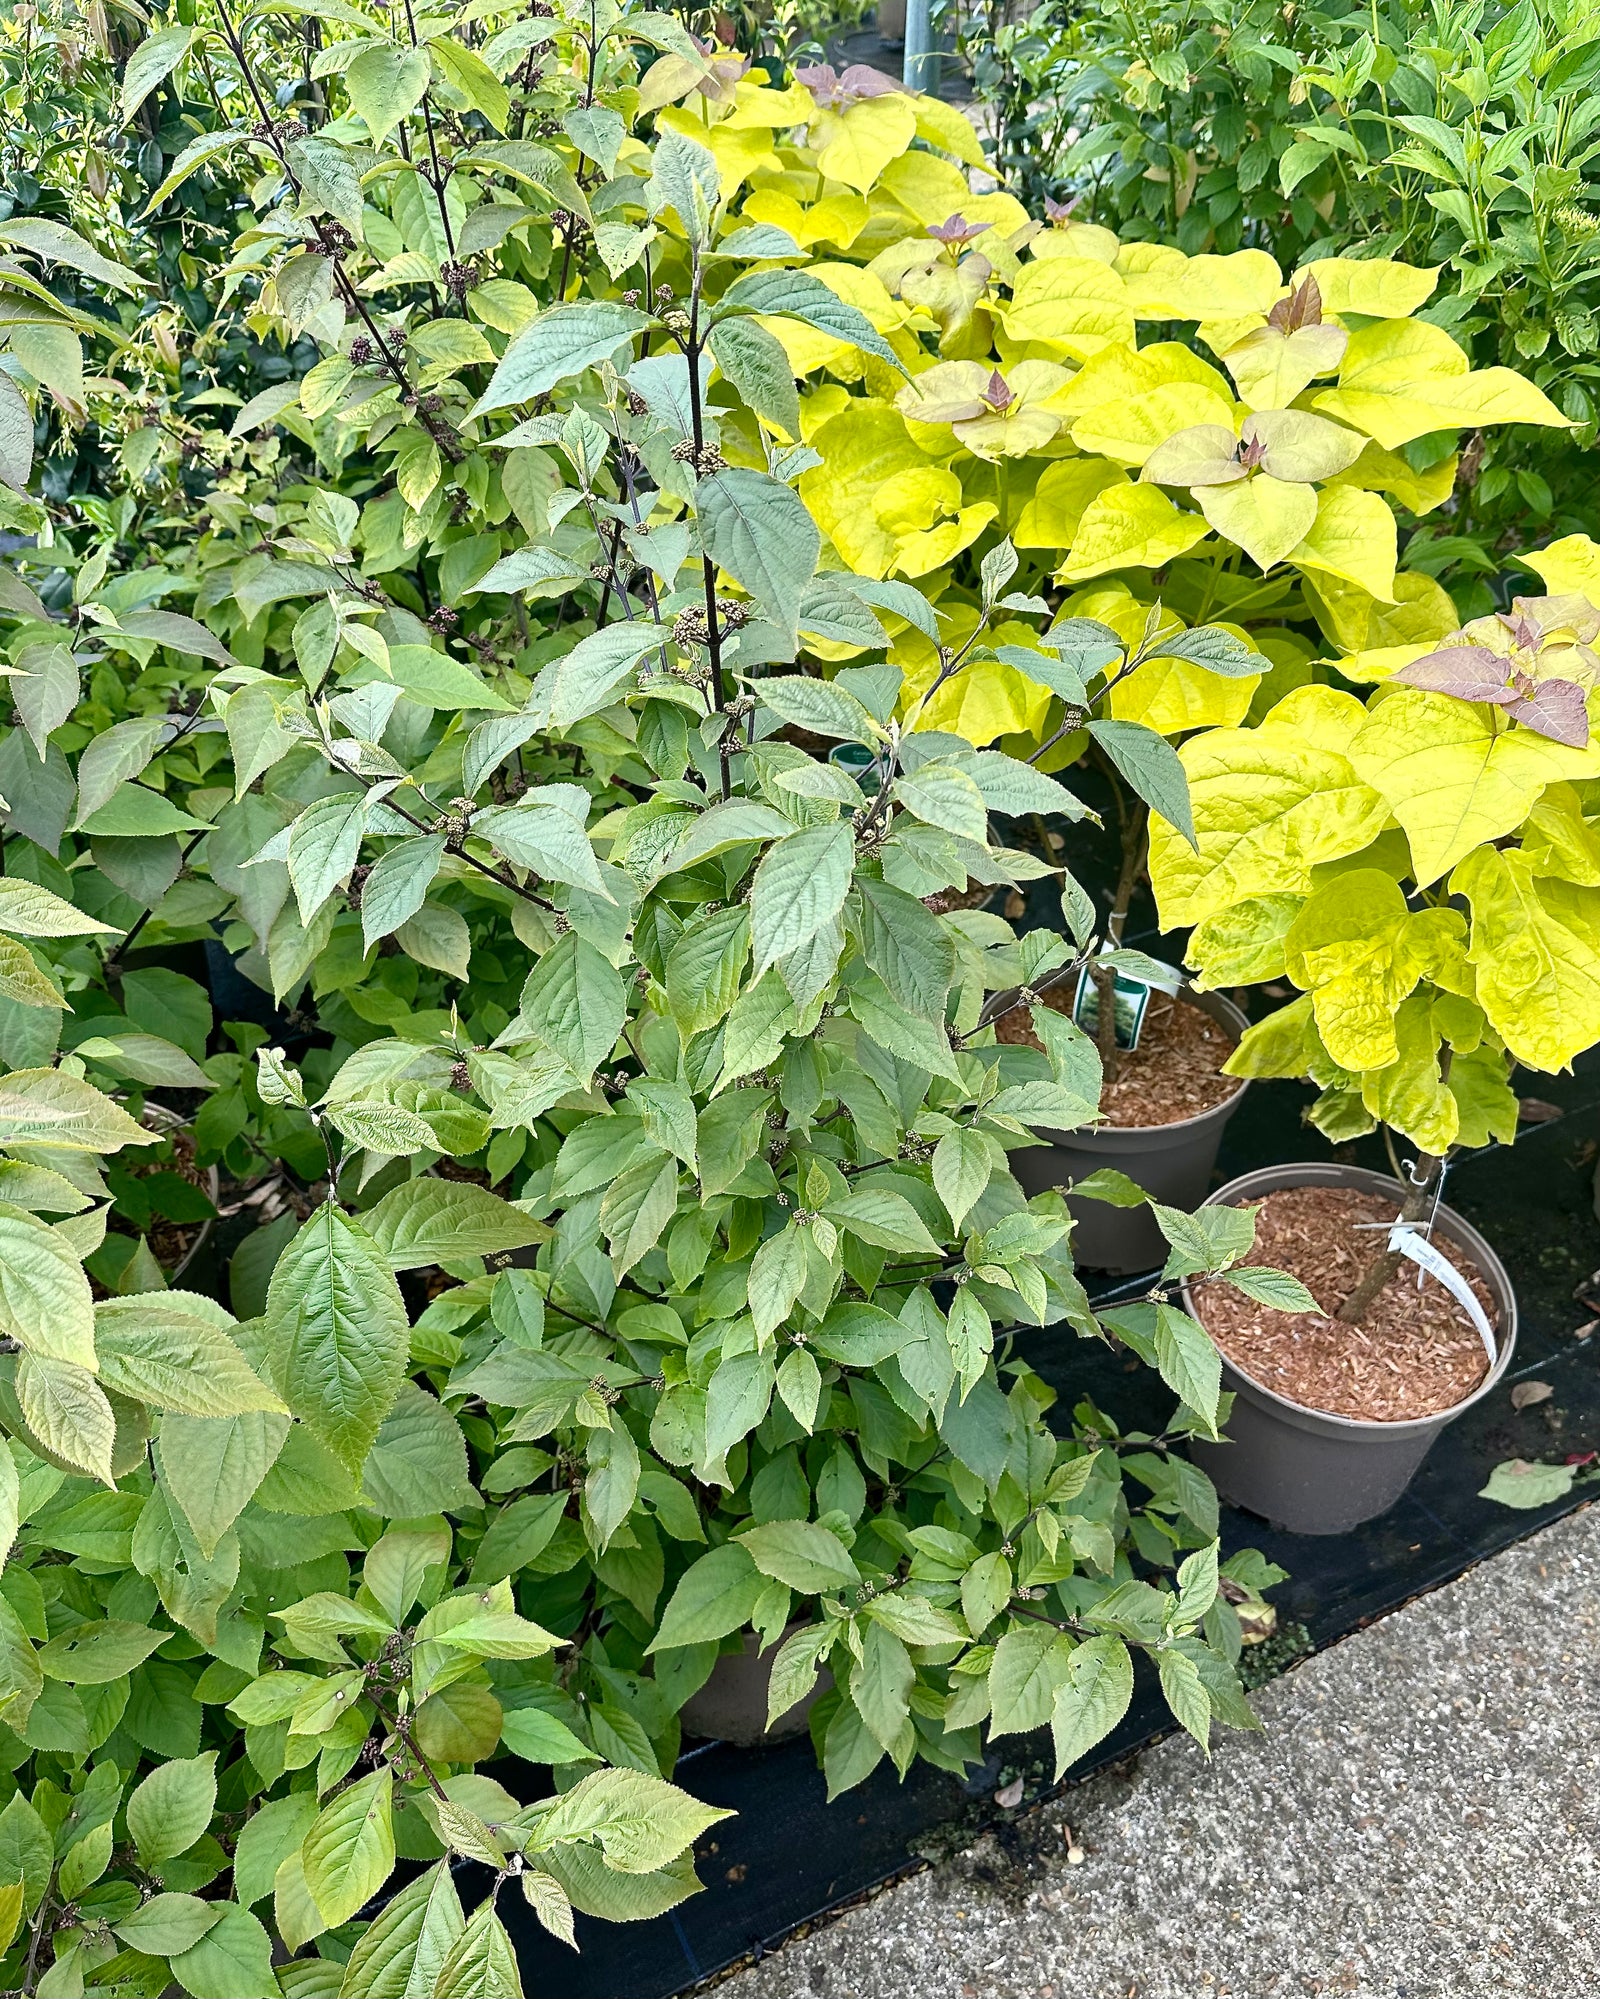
1415	1207
1135	845
1105	1027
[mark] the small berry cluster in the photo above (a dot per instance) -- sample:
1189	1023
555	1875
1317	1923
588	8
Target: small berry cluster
705	458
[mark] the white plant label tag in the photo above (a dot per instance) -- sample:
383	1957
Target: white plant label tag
1405	1238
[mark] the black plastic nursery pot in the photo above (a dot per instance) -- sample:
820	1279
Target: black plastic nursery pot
1302	1469
732	1705
1173	1163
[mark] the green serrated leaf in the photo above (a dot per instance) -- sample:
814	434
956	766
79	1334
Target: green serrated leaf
349	1852
337	1335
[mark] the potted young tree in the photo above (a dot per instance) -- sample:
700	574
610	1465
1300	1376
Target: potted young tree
1165	1096
1421	867
1335	1408
1246	494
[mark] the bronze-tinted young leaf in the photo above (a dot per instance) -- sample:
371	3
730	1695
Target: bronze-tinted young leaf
1558	709
1470	672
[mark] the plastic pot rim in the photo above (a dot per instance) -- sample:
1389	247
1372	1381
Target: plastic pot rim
1263	1180
1220	1008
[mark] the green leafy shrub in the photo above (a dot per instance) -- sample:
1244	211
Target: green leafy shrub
639	1265
126	364
1441	136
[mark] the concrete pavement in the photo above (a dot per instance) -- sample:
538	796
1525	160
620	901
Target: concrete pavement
1419	1820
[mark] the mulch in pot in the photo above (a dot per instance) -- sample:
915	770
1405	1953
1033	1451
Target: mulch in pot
1416	1354
1173	1074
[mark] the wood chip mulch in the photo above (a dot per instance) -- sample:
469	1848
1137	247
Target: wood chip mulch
1417	1352
1174	1073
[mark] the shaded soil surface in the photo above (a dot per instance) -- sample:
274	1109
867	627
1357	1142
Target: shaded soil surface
1173	1074
1417	1352
173	1242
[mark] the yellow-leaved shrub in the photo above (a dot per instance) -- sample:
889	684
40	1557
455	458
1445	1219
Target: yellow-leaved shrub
1207	431
1203	440
1423	862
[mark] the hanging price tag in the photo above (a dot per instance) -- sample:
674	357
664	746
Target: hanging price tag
1404	1237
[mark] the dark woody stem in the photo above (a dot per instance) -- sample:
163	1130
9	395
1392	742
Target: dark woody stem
433	149
628	463
1135	844
502	876
118	952
441	433
719	687
998	1007
402	1732
1105	1019
1073	719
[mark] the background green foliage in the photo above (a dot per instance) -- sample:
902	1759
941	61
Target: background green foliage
1436	134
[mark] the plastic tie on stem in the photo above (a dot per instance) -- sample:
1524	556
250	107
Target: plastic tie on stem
1413	1241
